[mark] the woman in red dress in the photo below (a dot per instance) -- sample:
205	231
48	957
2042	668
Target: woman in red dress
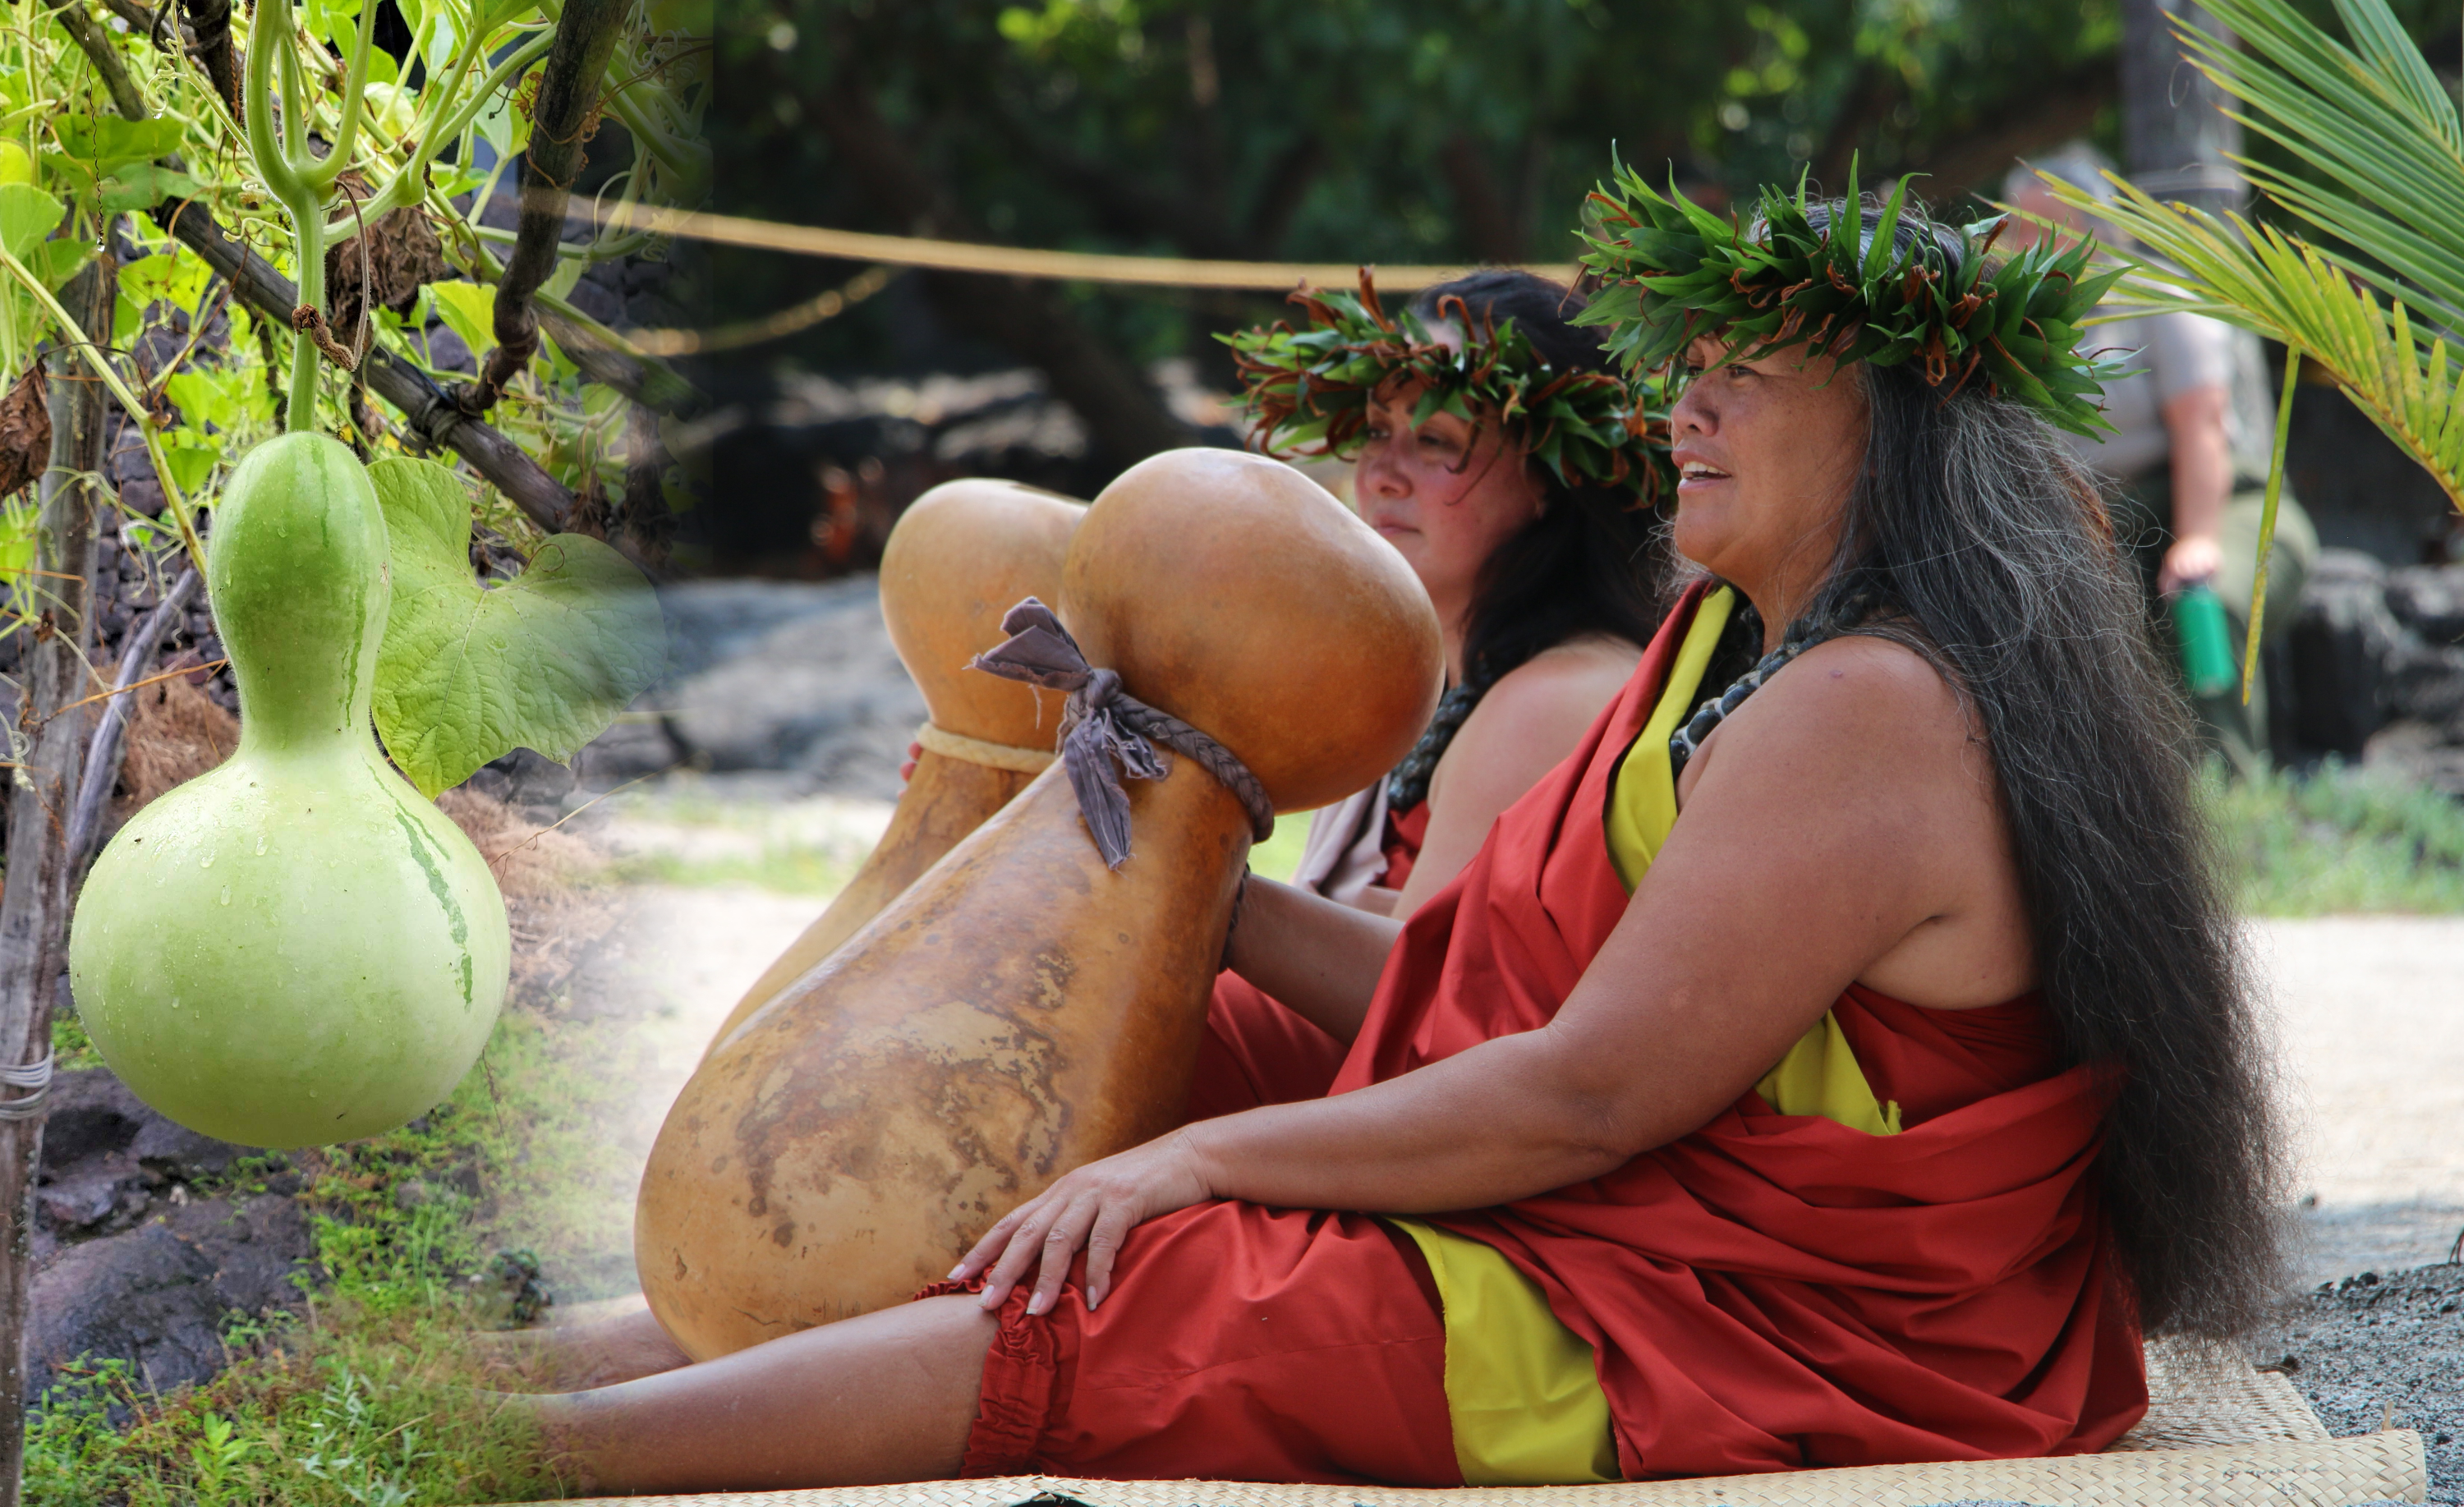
1546	586
1848	1071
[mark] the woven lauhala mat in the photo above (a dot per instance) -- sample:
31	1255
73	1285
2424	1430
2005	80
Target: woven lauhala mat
2215	1436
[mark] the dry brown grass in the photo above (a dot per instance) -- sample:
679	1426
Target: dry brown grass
175	734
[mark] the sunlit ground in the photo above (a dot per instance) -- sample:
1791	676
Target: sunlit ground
2372	1043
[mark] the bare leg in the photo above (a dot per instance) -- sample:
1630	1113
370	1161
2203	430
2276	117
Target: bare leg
886	1397
598	1352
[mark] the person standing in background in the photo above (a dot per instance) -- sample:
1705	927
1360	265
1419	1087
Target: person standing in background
2186	465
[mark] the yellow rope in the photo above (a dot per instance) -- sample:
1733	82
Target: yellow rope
964	256
790	320
976	750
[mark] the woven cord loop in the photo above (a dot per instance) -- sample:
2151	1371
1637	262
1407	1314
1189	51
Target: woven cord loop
934	738
35	1077
1104	726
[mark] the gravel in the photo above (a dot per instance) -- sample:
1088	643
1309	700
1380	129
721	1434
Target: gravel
2372	1351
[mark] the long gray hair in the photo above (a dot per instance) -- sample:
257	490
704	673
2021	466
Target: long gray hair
1987	548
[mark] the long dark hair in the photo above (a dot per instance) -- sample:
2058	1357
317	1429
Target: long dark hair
1588	563
1989	548
1593	561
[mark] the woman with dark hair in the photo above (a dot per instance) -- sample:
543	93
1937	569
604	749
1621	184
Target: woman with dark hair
1840	1058
1545	577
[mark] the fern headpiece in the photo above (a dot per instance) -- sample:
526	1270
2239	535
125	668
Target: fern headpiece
1308	390
1672	272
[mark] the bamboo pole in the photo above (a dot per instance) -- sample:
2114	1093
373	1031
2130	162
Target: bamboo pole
34	906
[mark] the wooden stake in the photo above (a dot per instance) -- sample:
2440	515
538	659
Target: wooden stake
35	905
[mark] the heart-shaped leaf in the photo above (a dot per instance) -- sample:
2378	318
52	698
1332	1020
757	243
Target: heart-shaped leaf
27	215
469	674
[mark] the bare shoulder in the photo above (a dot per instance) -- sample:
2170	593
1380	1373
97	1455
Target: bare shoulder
1870	708
1531	719
1578	677
1862	682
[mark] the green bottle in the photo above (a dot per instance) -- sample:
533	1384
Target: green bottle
2206	640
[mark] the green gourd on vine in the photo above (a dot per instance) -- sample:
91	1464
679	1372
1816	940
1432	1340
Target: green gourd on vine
299	947
294	947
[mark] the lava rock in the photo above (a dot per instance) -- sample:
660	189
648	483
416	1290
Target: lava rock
129	1260
821	692
2341	648
157	1294
2386	1347
2430	601
523	778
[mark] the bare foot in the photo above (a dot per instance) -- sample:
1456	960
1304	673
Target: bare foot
575	1357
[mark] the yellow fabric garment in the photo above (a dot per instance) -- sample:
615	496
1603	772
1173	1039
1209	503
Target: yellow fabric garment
1522	1390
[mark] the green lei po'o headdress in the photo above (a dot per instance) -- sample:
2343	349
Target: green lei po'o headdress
1674	270
1308	390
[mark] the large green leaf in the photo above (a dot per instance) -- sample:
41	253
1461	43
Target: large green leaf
27	215
466	674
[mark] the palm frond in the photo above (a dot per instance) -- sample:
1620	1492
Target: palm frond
2286	291
2373	124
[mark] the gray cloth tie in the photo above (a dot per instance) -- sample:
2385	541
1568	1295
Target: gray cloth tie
1103	726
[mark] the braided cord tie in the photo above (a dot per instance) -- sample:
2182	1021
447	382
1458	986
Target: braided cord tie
35	1077
1106	732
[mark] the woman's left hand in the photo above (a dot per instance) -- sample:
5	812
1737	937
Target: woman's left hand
1094	1207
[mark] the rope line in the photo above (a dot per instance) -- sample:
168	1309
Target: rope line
1014	261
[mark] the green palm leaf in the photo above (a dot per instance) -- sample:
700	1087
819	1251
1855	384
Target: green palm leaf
2291	293
2373	125
2385	150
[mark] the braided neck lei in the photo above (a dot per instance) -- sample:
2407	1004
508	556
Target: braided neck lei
1802	635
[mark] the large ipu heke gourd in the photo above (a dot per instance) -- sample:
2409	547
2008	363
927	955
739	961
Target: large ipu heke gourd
294	948
1021	1008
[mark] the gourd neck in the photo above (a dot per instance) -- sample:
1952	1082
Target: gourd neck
296	572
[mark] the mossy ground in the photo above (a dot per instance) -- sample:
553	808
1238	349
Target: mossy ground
373	1395
370	1398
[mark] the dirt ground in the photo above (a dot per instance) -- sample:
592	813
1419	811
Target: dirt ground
2371	1015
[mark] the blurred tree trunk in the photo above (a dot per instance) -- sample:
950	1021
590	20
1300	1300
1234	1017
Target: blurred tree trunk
1487	215
2175	136
1125	416
34	908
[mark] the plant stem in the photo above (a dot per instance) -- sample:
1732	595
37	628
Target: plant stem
35	905
2266	520
570	81
138	415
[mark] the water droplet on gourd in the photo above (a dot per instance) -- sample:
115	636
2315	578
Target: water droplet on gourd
261	844
208	862
226	894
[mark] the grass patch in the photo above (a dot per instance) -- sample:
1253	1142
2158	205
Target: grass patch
788	868
372	1398
2339	840
1280	856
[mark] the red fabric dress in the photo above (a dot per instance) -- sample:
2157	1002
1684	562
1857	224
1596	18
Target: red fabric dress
1257	1052
1769	1292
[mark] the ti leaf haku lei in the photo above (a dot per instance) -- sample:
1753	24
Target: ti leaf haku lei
1308	390
1673	272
